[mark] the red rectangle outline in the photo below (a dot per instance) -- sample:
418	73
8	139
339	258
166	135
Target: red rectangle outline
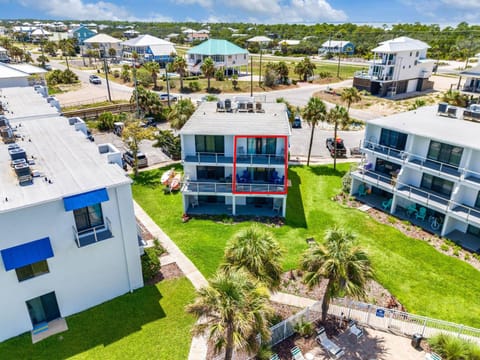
234	178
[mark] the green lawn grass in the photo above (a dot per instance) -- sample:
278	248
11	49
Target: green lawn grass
424	280
150	323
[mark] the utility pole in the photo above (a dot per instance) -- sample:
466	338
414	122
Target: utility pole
251	76
168	86
105	68
260	74
338	66
136	89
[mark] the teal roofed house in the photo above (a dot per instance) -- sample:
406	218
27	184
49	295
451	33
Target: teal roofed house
225	55
82	33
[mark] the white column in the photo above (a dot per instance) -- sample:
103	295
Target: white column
234	210
284	207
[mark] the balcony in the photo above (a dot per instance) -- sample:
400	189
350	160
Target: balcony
375	178
466	213
424	197
214	187
209	158
433	166
388	152
263	159
472	176
94	234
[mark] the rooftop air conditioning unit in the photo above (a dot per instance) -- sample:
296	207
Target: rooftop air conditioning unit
17	153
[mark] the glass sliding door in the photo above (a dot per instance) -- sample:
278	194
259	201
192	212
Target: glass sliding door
43	308
445	153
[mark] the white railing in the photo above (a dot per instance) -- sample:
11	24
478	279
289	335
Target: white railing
389	151
374	178
79	235
204	186
207	157
257	187
423	196
467	210
267	159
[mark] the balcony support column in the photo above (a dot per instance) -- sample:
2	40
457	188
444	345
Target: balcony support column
234	210
284	207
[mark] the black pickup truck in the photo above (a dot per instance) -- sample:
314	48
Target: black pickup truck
341	149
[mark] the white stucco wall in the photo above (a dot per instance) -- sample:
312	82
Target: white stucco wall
81	277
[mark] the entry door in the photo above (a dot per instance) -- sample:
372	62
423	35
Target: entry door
43	308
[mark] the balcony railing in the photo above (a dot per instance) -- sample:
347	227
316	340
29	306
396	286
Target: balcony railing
466	212
375	178
193	186
385	150
205	157
437	166
260	187
261	159
420	195
94	234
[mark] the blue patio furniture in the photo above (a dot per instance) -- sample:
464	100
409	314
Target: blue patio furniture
280	180
362	190
240	179
421	214
411	209
387	204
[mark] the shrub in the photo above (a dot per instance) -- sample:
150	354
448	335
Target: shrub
324	74
219	75
194	86
444	247
347	182
391	220
150	264
105	121
304	328
159	249
144	77
116	74
466	257
450	347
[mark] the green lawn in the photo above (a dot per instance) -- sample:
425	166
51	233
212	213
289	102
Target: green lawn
424	280
150	323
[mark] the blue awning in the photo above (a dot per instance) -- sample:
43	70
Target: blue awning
27	254
86	199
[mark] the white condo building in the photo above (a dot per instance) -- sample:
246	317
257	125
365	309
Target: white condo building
69	237
424	166
235	157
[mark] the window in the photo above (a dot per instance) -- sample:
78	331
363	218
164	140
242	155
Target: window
417	54
445	153
210	172
209	144
261	146
410	53
387	167
393	139
88	217
477	203
437	184
32	270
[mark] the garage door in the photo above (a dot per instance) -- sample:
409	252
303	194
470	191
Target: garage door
412	85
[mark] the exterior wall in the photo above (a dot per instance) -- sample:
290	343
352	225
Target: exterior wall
466	195
81	277
188	145
228	145
229	61
14	82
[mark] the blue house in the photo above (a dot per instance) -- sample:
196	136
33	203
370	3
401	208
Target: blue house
82	33
336	47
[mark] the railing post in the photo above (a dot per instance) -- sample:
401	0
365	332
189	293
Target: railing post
460	330
368	314
424	326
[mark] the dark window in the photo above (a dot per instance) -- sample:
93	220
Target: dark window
210	172
211	199
209	144
261	174
387	167
261	146
437	184
88	217
393	139
445	153
477	203
32	270
417	54
473	230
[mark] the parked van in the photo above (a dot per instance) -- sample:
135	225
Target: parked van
142	159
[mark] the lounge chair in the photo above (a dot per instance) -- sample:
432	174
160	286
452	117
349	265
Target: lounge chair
274	357
297	353
332	348
432	356
411	209
353	329
387	204
362	190
421	214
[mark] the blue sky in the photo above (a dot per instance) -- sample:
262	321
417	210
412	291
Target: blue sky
259	11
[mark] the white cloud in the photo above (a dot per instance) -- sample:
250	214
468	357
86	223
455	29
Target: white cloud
462	4
77	9
203	3
312	10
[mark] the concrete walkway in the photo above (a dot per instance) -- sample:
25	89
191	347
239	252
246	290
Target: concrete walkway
292	300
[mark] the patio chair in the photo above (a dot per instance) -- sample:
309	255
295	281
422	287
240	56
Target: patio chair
421	214
277	205
332	348
353	329
362	190
297	353
432	356
411	209
387	204
274	357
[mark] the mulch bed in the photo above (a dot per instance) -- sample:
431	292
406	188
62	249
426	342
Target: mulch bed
146	235
170	271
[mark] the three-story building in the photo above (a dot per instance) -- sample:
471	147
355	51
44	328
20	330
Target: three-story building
235	156
424	165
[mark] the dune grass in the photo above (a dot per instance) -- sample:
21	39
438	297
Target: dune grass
424	280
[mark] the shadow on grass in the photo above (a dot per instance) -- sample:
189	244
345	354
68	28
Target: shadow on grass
101	326
295	209
326	171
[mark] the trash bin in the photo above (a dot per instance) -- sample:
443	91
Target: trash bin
416	339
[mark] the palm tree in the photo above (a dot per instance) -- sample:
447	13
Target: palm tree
208	69
153	68
345	265
304	69
179	115
180	66
257	252
67	48
350	96
313	113
234	310
337	115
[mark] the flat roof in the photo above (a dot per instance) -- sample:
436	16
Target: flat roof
7	72
61	154
425	122
207	121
